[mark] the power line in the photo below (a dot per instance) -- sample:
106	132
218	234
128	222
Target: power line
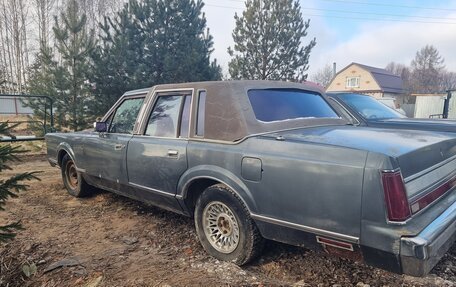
384	5
376	4
355	18
376	14
380	20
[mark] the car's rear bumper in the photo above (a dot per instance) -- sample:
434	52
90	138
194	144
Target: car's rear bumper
421	253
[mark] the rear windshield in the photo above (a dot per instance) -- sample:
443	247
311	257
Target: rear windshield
369	107
286	104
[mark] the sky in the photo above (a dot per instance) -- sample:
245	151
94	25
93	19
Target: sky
371	32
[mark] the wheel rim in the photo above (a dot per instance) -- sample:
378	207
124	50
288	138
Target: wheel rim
221	227
72	175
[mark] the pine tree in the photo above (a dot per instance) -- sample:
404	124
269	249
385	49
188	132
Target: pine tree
62	72
74	45
119	59
267	42
42	82
152	42
11	186
182	43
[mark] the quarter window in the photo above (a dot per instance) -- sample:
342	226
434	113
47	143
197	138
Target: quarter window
185	120
200	118
352	82
124	119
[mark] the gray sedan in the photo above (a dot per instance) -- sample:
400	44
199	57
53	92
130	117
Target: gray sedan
364	110
255	160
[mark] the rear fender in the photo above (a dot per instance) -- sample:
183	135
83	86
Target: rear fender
217	174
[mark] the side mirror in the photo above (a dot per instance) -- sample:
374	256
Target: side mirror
101	127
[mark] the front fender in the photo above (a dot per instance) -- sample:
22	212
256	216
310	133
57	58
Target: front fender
64	146
218	174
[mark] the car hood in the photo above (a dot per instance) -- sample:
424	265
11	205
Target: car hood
416	124
413	150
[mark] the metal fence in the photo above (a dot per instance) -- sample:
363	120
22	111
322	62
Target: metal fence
31	128
14	106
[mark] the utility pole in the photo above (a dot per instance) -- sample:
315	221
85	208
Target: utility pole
446	104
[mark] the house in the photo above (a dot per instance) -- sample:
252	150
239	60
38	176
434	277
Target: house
368	80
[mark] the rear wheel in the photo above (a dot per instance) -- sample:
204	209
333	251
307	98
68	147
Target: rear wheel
73	180
224	226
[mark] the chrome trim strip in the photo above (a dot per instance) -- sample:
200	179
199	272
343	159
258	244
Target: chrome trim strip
391	170
155	137
429	169
149	105
196	139
348	238
153	190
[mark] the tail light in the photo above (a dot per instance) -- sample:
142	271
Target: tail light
395	196
432	196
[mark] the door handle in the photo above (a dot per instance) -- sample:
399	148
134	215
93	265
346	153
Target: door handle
172	152
119	146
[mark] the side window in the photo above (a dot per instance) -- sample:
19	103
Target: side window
125	116
164	119
200	117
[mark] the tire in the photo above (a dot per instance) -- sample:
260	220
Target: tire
224	226
73	180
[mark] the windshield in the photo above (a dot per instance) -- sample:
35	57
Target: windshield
271	105
369	107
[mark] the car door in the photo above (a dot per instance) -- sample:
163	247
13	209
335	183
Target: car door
106	152
157	158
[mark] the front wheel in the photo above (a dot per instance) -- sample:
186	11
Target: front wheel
73	180
224	226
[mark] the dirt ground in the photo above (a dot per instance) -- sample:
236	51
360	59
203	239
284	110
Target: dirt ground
108	240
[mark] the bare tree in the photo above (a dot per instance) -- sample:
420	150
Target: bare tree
44	12
95	10
448	81
6	47
427	68
396	68
15	47
402	71
323	76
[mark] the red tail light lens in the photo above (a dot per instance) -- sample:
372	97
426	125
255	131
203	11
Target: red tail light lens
395	197
427	199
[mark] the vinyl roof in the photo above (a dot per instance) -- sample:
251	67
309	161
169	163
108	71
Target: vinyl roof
229	115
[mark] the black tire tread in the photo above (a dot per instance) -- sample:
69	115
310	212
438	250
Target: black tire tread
255	240
84	189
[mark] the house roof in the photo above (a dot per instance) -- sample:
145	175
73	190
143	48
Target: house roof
388	82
